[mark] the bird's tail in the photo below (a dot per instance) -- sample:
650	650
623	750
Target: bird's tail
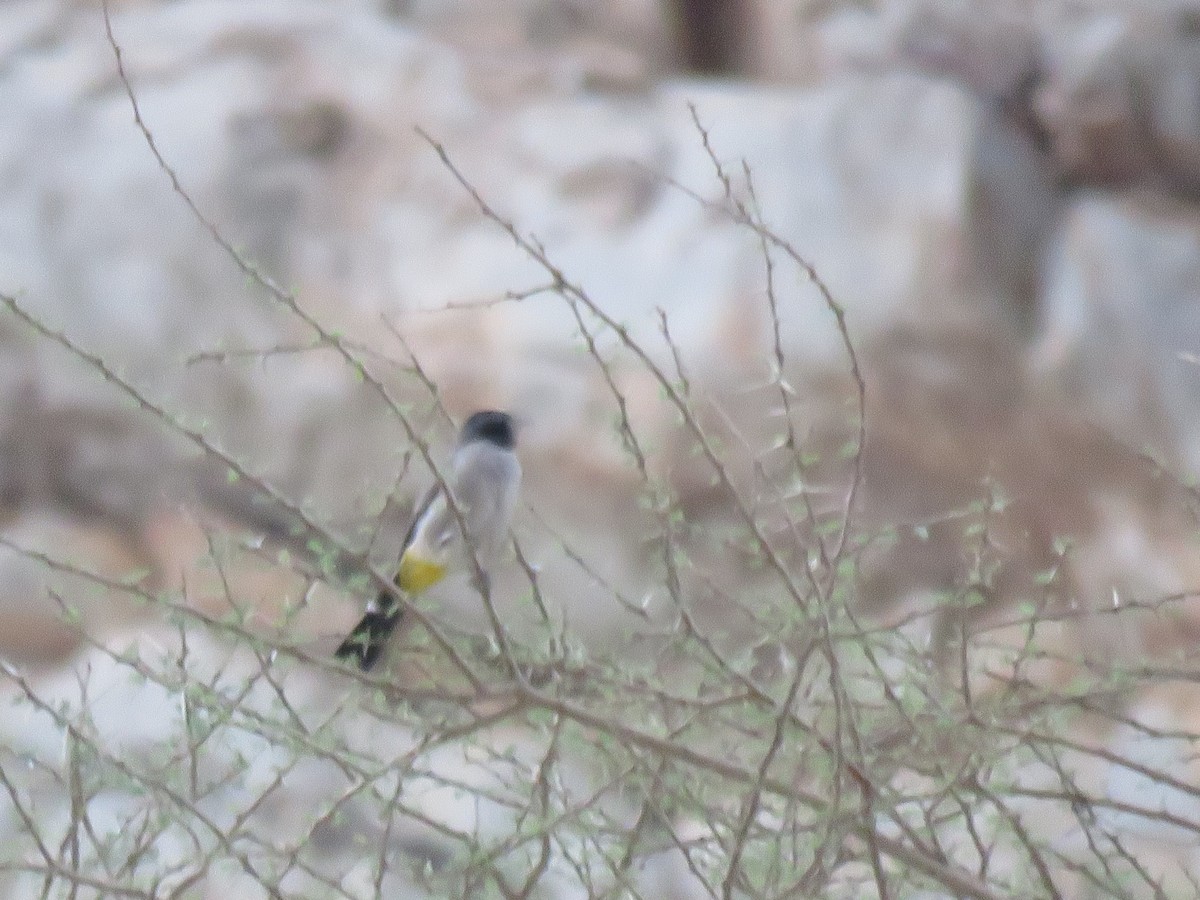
366	642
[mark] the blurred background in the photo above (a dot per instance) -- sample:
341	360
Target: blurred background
1004	197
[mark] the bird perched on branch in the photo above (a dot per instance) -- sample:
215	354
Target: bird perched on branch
484	479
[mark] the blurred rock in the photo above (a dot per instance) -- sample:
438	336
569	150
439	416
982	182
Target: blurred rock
1117	95
1120	318
553	35
990	48
46	614
1106	88
987	482
324	183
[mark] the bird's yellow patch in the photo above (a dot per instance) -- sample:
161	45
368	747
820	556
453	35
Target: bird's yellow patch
418	573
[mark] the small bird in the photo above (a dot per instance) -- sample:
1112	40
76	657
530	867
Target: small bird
484	479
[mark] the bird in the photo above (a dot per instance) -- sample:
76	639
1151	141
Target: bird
484	481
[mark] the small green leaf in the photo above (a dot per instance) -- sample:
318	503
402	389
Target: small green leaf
136	576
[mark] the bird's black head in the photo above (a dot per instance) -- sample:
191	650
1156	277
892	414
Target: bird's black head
491	426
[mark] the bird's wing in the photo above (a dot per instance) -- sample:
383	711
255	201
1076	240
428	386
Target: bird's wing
421	511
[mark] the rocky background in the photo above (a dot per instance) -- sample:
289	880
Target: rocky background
1003	196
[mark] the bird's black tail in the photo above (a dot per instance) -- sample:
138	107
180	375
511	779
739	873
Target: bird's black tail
366	642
